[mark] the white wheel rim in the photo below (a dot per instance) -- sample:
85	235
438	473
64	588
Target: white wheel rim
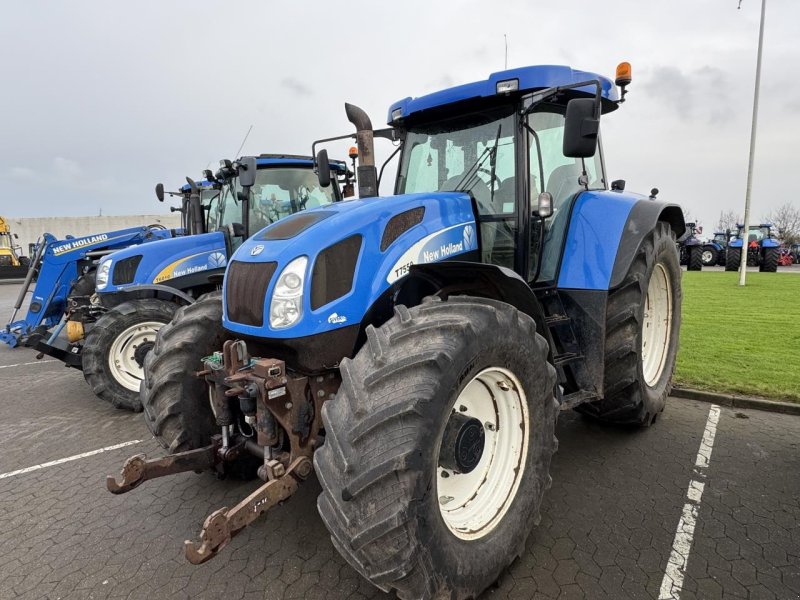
121	357
707	256
473	504
656	325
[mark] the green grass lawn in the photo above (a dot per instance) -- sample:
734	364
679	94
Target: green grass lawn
741	340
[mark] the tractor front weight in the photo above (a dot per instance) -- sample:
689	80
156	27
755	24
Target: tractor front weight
261	411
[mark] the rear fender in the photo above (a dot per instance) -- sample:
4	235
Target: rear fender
642	219
586	308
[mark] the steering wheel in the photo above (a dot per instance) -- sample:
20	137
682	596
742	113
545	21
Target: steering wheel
156	226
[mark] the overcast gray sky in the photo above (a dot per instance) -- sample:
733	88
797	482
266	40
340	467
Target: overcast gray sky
101	99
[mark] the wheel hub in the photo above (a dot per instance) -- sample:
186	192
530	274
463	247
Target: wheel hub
462	444
141	351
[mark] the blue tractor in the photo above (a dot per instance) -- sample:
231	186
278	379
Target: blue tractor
139	288
415	350
714	249
763	249
64	272
691	248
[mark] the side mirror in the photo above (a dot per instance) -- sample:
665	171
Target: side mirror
160	192
247	171
544	205
581	128
323	168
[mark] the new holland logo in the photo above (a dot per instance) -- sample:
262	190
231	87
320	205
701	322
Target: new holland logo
335	319
217	260
256	250
469	237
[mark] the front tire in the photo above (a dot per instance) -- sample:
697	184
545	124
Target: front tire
710	256
175	401
430	374
115	348
643	319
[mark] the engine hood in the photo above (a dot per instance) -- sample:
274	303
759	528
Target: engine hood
163	261
356	251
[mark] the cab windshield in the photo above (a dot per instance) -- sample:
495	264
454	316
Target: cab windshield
277	192
757	234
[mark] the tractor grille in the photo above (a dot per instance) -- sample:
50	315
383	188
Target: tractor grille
125	270
246	289
399	224
333	272
5	260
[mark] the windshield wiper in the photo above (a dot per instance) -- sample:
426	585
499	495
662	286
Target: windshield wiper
468	179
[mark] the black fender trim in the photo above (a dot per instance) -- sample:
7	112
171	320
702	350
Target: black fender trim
160	291
448	278
140	292
642	219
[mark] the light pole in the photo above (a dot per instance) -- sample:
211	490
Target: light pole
746	230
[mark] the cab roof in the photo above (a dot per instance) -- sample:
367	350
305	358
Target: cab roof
295	160
529	79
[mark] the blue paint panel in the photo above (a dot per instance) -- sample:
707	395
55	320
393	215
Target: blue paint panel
447	230
595	230
179	256
530	78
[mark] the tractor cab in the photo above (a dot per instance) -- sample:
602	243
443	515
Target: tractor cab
282	185
756	233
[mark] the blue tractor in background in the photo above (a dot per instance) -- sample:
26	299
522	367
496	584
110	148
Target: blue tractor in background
763	249
138	289
714	249
691	248
415	350
64	271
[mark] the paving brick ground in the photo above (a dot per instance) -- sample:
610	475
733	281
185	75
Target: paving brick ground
606	532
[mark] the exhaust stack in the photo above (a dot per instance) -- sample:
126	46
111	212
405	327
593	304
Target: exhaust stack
367	173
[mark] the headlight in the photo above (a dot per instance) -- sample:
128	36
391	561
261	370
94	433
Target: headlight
286	306
101	280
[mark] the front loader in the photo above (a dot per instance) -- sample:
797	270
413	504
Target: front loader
414	351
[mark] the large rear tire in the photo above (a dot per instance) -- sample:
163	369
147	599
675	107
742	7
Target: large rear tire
733	259
643	319
465	379
769	260
115	347
695	258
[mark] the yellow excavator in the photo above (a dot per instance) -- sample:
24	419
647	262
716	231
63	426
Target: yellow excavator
12	263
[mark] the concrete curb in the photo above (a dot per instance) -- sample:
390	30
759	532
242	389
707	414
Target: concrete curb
787	408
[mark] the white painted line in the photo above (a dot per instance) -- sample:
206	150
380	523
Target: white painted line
68	459
36	362
672	584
